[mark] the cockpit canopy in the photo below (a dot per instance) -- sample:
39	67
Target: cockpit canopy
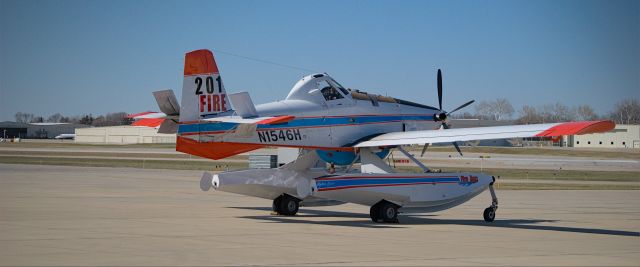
321	88
312	86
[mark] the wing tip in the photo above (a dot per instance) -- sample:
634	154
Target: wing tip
579	127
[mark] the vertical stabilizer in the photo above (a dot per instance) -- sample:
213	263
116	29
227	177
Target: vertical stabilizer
203	92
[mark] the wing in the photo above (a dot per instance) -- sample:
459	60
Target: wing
485	133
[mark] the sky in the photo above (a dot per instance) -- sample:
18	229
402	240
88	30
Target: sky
94	57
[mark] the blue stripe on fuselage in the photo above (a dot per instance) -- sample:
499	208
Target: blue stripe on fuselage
326	184
304	122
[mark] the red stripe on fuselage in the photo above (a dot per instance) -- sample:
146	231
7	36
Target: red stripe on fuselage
378	185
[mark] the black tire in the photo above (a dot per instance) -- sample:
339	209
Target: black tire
374	213
288	205
489	214
276	205
388	212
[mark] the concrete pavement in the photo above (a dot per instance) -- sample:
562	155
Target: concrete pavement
57	215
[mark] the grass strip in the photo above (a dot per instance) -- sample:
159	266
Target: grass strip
563	186
131	163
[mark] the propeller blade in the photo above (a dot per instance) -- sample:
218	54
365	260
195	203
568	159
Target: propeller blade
445	125
424	149
440	89
455	144
460	107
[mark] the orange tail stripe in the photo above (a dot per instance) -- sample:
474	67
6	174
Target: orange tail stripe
199	62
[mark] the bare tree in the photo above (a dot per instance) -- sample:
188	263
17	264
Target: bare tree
498	109
111	119
465	115
24	117
86	119
529	115
562	113
627	112
502	109
37	119
483	110
585	113
55	118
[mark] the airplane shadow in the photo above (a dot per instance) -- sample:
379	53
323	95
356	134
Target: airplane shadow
423	219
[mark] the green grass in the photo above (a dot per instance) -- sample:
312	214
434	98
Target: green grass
131	163
54	144
616	176
542	186
104	154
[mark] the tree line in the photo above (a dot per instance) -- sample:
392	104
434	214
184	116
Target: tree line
109	119
625	112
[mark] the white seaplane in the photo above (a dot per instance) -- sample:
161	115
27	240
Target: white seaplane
329	124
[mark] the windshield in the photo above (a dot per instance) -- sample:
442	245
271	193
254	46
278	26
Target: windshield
339	86
329	92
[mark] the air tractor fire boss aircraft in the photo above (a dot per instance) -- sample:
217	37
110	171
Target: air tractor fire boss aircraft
329	124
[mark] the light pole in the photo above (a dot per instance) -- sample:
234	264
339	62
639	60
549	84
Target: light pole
482	162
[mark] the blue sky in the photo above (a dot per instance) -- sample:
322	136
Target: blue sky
77	57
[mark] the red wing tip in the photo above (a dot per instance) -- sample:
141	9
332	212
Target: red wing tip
579	127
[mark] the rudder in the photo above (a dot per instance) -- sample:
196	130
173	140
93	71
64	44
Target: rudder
203	93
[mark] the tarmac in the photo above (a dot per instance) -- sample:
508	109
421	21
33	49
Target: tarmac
59	215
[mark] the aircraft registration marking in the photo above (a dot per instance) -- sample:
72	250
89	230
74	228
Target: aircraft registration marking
279	135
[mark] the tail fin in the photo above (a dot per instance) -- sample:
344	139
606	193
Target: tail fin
203	93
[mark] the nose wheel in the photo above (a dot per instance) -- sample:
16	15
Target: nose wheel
490	212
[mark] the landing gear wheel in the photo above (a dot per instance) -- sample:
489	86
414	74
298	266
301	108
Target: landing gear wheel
276	205
489	214
388	212
374	212
385	211
287	205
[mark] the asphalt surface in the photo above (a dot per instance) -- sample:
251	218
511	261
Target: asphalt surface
57	215
431	159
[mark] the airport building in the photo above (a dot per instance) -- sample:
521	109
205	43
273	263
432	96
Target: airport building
623	136
123	135
45	130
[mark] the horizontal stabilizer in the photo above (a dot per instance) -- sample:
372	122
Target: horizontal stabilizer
167	102
168	127
148	122
147	115
258	120
243	105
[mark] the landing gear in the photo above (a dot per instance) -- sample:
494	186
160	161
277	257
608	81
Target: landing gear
490	212
384	211
286	205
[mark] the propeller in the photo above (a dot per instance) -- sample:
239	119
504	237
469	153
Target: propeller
443	115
